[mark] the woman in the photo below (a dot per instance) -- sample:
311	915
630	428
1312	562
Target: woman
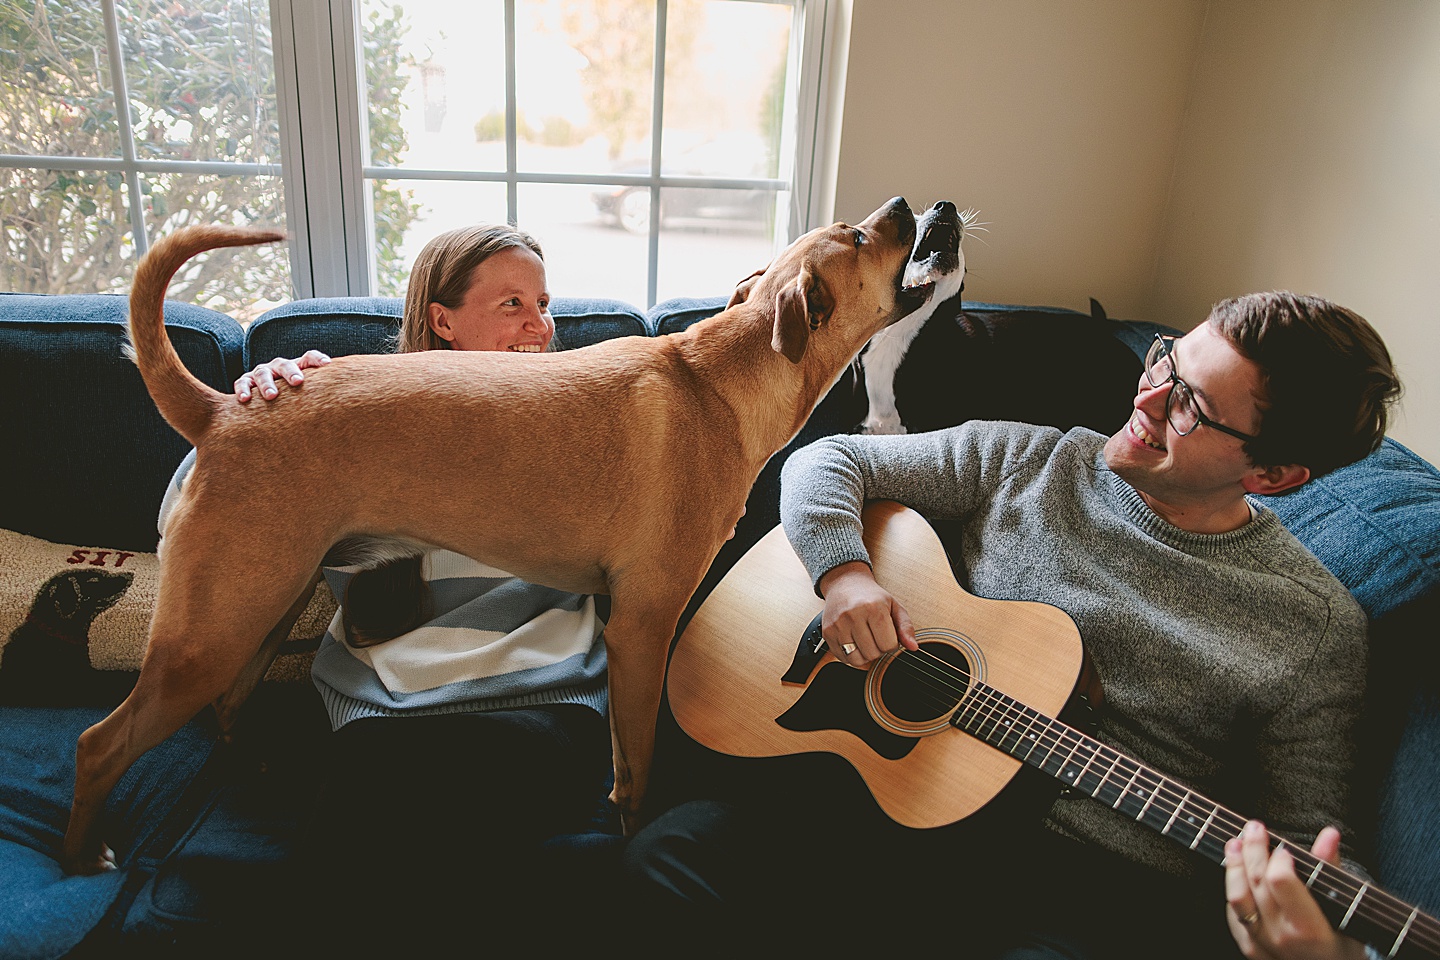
468	706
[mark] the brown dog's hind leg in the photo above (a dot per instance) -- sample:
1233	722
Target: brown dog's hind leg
228	704
202	636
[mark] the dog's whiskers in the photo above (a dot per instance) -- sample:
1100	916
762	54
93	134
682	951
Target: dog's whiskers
970	222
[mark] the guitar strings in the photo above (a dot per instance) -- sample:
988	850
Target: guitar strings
935	674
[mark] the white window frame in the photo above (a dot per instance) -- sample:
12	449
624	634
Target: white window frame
320	84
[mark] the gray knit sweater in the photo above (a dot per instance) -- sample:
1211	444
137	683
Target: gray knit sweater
1233	662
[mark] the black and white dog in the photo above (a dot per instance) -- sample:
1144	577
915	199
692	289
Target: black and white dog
937	259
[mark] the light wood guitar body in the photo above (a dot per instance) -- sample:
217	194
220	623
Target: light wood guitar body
726	688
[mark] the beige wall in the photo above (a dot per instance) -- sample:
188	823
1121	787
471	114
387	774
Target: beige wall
1310	161
1159	155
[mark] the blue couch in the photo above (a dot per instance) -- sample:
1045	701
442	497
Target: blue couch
204	827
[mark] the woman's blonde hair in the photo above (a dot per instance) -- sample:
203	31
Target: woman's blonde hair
442	274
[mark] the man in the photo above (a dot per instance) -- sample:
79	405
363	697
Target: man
1230	658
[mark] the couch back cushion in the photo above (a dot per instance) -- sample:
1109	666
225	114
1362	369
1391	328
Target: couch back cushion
1375	524
341	326
677	314
89	454
987	361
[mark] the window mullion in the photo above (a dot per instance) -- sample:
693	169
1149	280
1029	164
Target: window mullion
127	133
512	121
657	126
318	85
816	107
353	124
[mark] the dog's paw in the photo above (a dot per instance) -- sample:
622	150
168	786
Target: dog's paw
882	425
87	866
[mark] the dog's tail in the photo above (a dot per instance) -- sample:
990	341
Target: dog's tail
185	402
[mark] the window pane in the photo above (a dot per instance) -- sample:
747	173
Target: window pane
441	205
721	121
583	82
584	85
201	80
244	281
710	239
64	232
55	92
435	73
583	257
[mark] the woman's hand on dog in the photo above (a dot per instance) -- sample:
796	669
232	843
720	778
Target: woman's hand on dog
262	379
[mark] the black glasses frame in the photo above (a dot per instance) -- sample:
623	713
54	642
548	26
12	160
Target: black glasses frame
1167	353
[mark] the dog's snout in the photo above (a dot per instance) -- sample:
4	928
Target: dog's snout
898	211
945	207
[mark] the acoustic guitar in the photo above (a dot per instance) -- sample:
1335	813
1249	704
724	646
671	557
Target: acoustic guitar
935	734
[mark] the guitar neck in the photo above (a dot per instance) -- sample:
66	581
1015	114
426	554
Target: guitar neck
1086	765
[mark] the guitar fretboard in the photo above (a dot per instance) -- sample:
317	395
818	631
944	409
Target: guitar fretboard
1088	766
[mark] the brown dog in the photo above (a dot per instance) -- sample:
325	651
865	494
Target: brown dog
646	447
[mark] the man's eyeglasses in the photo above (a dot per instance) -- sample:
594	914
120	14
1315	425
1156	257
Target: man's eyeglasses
1181	409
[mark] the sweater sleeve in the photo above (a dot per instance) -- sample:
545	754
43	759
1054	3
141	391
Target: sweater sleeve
1307	748
945	473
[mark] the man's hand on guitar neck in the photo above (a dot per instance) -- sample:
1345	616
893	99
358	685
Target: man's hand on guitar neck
1271	912
862	621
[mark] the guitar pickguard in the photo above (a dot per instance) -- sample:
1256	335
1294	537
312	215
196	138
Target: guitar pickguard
835	700
907	701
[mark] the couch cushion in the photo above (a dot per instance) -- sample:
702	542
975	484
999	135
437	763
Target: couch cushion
203	830
341	326
43	912
582	322
980	361
91	456
678	313
1375	524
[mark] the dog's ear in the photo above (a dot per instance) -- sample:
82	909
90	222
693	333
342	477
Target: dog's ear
742	289
792	318
818	302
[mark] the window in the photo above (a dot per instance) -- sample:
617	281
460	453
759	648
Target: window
655	149
83	184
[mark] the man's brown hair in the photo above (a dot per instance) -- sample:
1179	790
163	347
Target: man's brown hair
1328	380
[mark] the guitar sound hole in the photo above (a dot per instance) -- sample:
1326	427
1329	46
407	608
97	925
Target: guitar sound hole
926	685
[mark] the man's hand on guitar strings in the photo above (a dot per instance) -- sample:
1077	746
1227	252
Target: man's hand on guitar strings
1272	915
862	621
